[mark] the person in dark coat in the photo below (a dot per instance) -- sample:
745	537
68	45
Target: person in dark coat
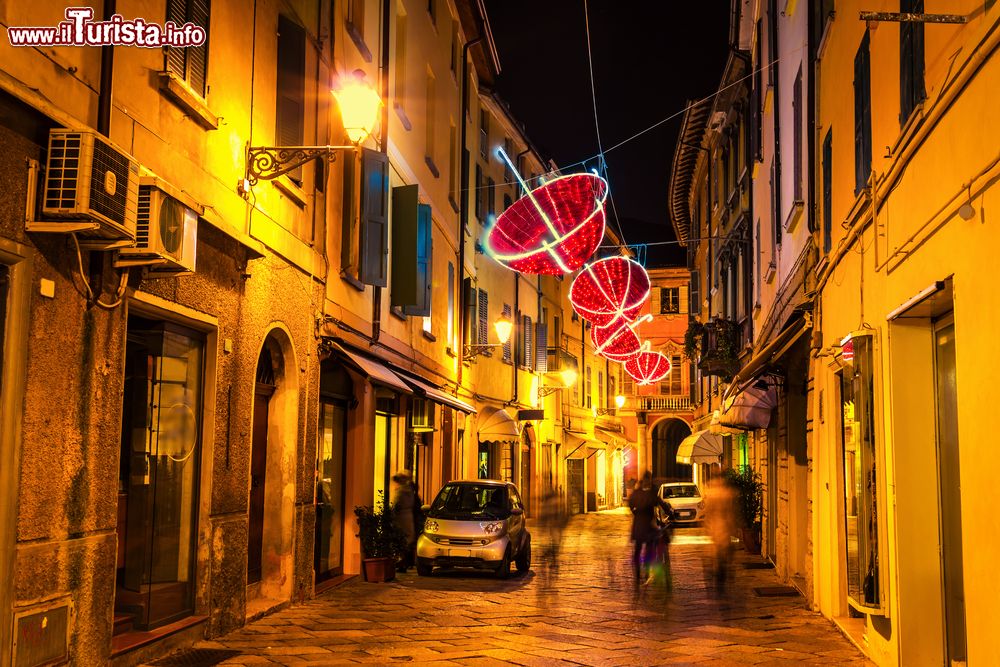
643	501
404	511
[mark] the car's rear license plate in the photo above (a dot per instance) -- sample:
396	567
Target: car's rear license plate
460	553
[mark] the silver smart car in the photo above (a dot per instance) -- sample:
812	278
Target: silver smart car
475	524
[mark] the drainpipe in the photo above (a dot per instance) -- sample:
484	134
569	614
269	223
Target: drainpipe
104	95
463	205
384	149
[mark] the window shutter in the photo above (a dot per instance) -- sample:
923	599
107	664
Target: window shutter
374	218
862	116
507	346
405	254
425	260
197	56
528	348
484	318
470	325
655	298
176	13
827	191
695	300
480	195
541	348
682	300
290	94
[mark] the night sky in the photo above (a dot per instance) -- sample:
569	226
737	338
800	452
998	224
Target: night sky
650	57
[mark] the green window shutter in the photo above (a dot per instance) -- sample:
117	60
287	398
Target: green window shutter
404	245
424	256
374	218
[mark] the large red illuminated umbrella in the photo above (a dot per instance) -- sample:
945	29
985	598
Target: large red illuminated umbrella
552	229
610	289
648	367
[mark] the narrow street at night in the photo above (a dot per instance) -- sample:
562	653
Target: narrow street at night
585	612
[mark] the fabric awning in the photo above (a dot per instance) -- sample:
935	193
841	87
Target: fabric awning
497	424
701	447
610	437
375	371
435	394
768	353
750	408
576	440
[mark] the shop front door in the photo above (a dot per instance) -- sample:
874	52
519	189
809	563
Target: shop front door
330	489
158	488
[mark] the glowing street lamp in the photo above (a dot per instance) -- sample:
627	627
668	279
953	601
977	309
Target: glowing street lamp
619	401
359	109
503	326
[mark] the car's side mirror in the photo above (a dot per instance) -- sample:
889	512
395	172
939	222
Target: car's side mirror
517	511
425	508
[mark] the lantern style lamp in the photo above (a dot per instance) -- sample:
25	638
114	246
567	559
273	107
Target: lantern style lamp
619	401
619	404
359	109
503	326
567	377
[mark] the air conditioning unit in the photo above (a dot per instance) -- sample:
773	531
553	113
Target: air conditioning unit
87	178
166	234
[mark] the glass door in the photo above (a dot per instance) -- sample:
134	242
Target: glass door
331	451
158	482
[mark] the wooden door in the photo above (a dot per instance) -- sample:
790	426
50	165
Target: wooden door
258	476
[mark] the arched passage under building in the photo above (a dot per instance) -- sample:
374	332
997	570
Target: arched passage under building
664	440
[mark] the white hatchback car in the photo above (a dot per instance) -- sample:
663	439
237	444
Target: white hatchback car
685	500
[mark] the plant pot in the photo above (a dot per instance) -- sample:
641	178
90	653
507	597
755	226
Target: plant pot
751	542
378	570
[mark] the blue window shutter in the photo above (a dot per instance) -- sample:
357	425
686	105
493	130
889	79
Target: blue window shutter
374	218
422	307
541	348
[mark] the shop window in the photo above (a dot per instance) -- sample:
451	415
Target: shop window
861	473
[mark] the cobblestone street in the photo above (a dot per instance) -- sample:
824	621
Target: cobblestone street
585	611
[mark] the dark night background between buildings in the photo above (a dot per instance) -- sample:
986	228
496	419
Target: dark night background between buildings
650	57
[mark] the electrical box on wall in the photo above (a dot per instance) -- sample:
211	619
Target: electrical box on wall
41	634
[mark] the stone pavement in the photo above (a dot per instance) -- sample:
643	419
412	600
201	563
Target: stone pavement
585	611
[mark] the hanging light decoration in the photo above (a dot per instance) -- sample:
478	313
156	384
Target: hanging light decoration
552	229
610	289
618	341
647	367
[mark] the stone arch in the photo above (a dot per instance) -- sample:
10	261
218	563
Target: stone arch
276	429
665	436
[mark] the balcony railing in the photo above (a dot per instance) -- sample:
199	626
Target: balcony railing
662	403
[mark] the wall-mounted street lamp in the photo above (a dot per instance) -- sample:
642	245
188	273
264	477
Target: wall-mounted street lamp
503	327
619	404
359	109
568	378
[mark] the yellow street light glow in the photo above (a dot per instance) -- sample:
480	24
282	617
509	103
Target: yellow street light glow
359	106
503	327
620	401
569	377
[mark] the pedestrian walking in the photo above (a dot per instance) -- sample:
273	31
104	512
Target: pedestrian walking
720	522
643	502
405	506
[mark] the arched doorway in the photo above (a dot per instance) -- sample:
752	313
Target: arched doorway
272	461
665	438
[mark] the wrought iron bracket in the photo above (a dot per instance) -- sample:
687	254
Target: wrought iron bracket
545	391
470	351
265	163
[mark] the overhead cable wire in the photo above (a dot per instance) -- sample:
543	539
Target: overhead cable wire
603	164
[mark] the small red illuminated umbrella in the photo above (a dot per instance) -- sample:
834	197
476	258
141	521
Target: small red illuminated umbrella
648	367
618	341
610	289
552	229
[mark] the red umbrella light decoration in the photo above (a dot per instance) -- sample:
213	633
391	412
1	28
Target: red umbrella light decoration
617	341
552	229
610	289
648	367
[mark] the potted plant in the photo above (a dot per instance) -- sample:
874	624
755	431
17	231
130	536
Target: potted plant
381	540
749	504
